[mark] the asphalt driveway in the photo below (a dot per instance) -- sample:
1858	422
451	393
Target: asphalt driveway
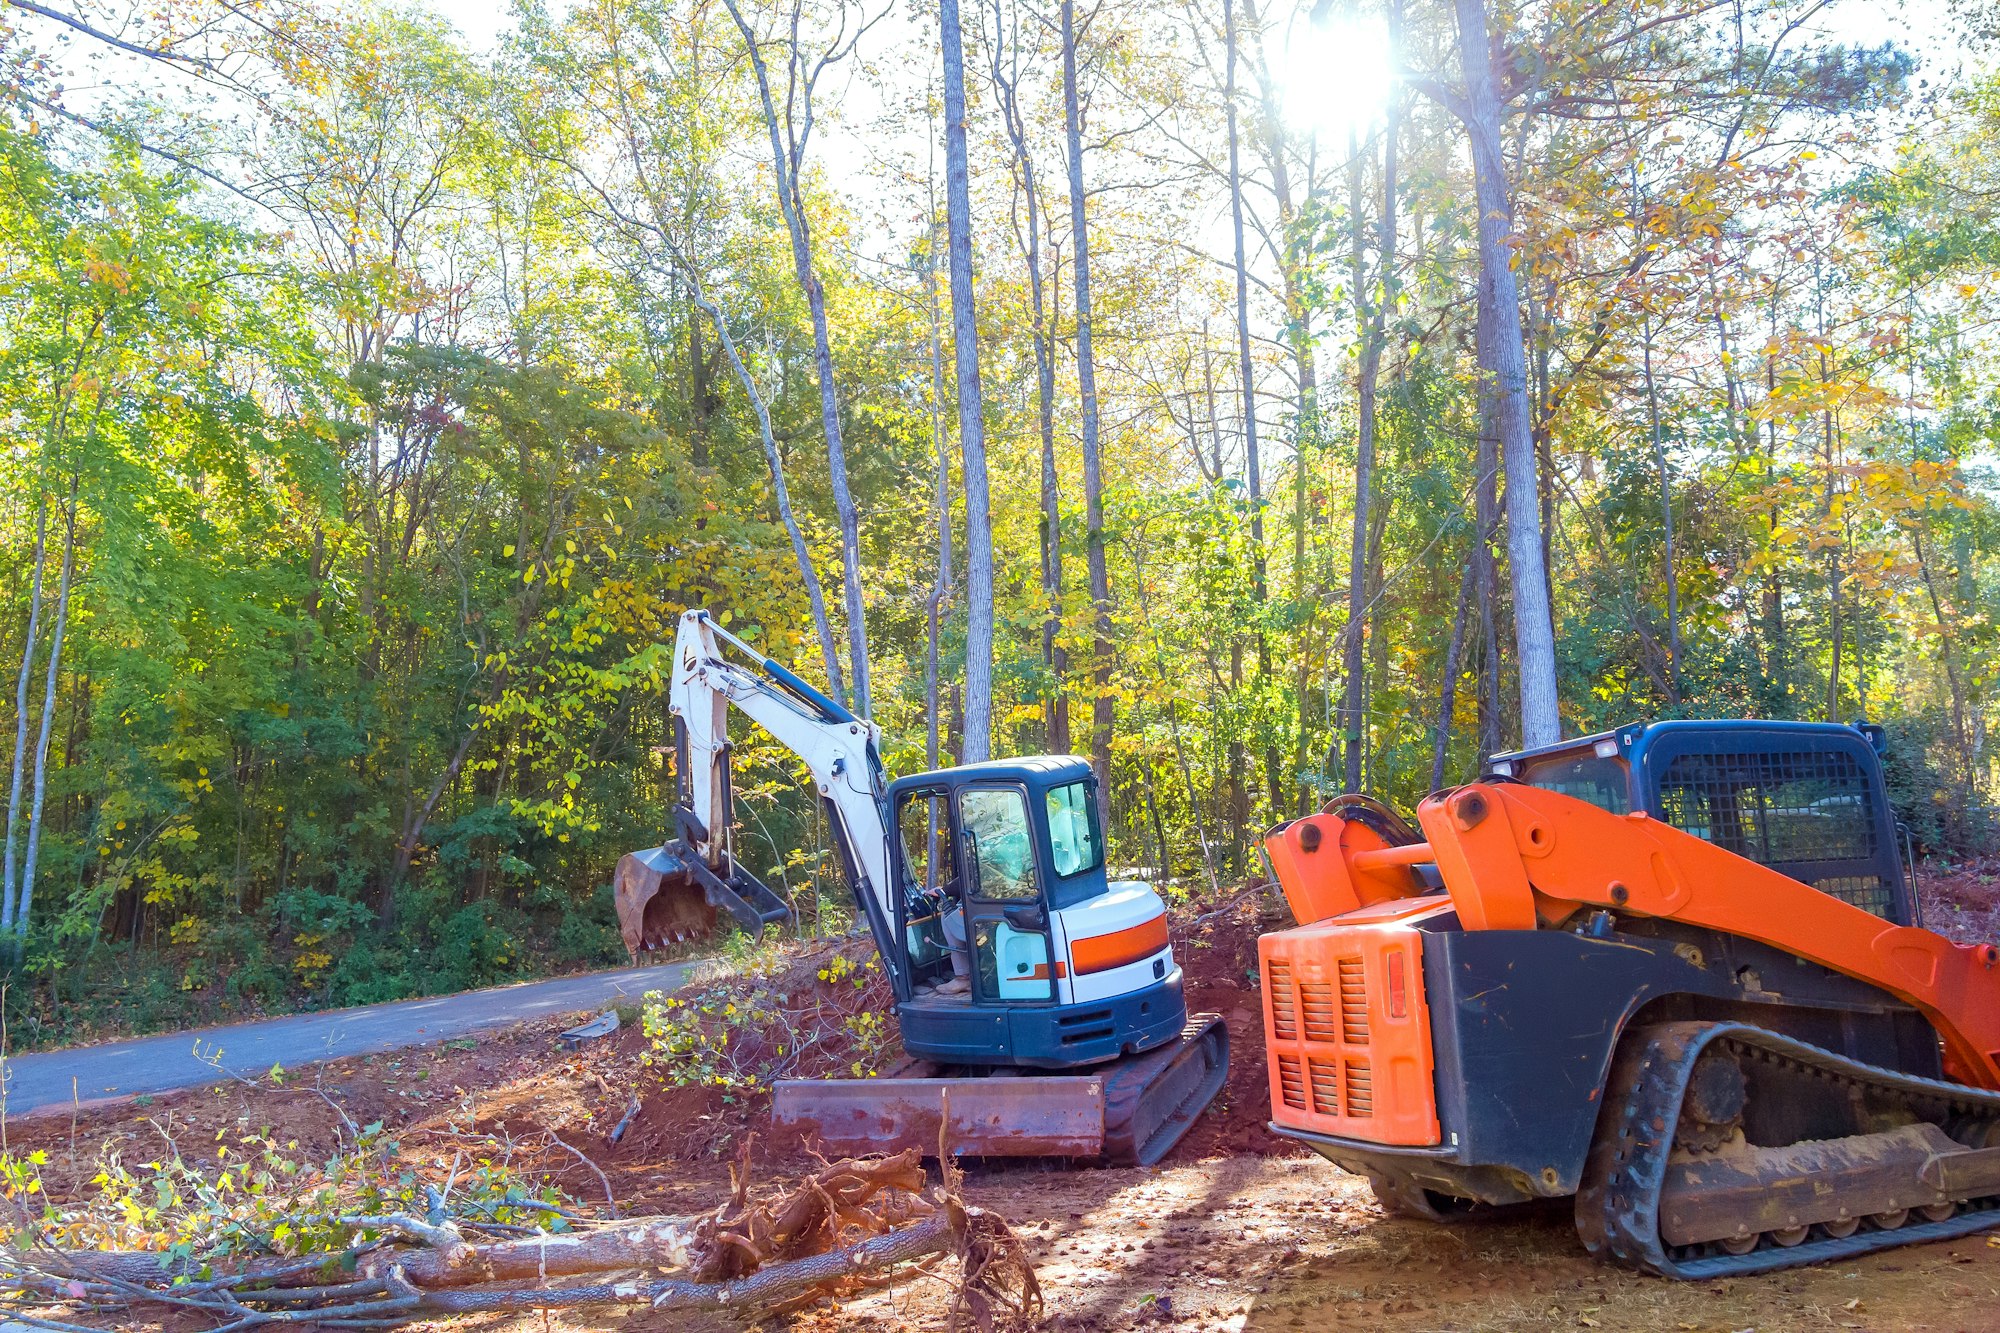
52	1080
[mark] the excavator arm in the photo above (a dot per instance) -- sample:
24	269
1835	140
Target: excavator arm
662	892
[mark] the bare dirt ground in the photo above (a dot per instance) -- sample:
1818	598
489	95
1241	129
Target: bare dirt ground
1235	1231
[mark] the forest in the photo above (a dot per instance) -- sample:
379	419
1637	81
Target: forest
1264	401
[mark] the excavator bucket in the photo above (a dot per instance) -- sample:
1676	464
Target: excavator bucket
666	895
1125	1113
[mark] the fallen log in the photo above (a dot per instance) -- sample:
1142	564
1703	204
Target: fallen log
766	1287
854	1220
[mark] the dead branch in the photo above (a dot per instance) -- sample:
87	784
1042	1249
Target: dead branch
853	1225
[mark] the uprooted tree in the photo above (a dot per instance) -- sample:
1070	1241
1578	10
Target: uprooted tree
439	1251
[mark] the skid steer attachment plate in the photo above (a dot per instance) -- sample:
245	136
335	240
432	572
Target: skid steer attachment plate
1000	1116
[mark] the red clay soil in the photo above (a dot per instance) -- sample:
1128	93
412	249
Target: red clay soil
1217	951
1962	900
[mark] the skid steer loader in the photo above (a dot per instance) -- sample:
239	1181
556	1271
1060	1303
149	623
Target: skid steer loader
1038	1000
1674	972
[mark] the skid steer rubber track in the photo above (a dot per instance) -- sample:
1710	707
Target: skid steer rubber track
1933	1175
1152	1099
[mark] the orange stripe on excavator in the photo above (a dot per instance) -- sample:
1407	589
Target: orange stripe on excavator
1101	953
1514	857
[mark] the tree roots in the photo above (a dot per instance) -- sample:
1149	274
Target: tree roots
850	1226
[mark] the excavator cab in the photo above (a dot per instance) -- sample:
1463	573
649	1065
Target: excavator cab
1017	948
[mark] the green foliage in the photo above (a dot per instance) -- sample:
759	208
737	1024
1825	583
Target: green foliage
257	1196
382	499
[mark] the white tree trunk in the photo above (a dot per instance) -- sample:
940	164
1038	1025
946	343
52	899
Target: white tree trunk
978	739
1004	60
815	598
33	851
1534	627
9	884
1101	707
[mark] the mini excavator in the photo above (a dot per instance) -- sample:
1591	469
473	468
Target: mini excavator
1675	972
1039	1001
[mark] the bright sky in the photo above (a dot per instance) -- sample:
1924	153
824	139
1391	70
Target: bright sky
1333	105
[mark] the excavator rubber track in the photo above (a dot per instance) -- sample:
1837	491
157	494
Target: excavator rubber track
1673	1187
1151	1100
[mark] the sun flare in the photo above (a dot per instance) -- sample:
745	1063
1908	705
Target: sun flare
1335	78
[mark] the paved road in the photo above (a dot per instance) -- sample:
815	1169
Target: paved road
43	1081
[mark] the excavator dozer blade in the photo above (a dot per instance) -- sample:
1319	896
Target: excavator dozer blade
1056	1115
1125	1113
666	894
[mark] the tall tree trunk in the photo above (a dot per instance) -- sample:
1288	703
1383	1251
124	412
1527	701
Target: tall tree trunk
10	893
788	146
1295	260
1370	314
941	502
1665	477
1534	626
802	554
1448	690
1774	589
31	855
1093	462
1663	474
1252	462
1960	732
1486	515
1055	658
978	739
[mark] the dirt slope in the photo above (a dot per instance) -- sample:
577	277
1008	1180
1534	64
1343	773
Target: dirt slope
1236	1231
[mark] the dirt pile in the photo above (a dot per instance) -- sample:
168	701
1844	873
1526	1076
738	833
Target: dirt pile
703	1078
1217	950
1962	901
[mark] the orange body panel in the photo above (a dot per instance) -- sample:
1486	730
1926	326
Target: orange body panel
1346	1026
1515	857
1100	953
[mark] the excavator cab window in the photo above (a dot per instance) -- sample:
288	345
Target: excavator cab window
1075	845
